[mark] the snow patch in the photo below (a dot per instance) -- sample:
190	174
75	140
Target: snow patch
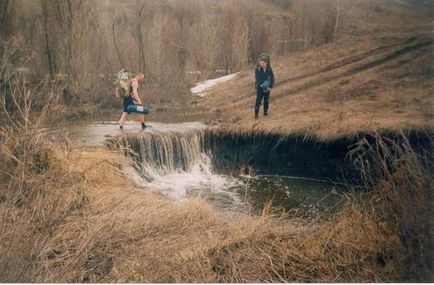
204	87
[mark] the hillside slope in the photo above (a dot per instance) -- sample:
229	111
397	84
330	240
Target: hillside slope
372	79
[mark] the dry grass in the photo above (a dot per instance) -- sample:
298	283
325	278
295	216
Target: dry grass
79	219
357	84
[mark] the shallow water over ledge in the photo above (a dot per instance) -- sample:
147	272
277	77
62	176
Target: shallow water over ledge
96	134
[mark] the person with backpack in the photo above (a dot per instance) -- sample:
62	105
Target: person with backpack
264	82
127	88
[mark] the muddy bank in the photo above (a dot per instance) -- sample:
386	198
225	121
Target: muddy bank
260	153
297	155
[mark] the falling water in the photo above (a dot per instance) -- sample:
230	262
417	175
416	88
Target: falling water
176	164
158	154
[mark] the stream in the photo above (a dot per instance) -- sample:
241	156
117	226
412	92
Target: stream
173	161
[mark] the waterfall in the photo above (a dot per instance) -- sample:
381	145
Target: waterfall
177	164
184	161
161	153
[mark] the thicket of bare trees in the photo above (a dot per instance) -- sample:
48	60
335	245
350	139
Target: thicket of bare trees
82	42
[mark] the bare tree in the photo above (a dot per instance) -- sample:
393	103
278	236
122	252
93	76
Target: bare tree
140	7
163	39
118	53
48	51
338	2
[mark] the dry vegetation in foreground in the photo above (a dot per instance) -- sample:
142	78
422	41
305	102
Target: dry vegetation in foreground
70	215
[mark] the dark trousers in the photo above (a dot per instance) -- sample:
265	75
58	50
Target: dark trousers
259	96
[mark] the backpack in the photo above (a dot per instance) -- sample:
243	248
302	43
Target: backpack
124	83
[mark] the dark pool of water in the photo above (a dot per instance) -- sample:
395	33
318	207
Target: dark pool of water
291	193
237	194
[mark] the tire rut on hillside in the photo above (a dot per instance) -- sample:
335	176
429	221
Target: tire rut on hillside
346	61
366	65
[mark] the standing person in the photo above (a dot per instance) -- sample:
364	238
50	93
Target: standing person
264	82
128	88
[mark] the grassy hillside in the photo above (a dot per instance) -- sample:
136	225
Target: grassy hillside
374	77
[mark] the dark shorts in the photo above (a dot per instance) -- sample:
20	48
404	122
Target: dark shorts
127	102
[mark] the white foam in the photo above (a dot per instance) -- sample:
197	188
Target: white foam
201	88
199	181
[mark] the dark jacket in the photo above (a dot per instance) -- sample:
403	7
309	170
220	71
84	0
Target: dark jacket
261	76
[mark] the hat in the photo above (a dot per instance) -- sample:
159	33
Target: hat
265	57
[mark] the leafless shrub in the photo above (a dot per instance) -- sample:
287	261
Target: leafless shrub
164	40
402	197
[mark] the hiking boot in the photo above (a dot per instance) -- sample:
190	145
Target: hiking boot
143	126
256	116
266	114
